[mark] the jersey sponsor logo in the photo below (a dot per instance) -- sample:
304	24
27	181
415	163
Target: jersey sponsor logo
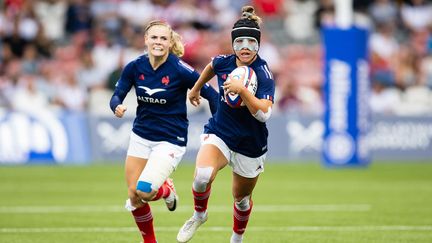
151	91
151	100
165	80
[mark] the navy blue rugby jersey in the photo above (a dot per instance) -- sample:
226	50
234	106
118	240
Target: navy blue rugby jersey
240	131
161	96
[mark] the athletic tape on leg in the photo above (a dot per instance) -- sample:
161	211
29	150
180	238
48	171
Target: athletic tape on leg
157	170
202	178
244	204
144	186
128	205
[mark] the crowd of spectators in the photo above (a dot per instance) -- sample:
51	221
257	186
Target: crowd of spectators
68	54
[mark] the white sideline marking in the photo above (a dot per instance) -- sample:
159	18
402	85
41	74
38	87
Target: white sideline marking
225	229
212	208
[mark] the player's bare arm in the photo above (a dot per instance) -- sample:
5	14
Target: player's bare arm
206	75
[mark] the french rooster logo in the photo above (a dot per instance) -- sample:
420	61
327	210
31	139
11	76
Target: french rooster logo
165	80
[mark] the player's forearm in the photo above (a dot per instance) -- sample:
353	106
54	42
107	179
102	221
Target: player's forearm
117	99
205	76
260	109
253	103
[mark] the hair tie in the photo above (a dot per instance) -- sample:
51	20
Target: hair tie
246	15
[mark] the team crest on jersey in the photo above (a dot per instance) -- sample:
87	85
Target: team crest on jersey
224	76
165	80
141	77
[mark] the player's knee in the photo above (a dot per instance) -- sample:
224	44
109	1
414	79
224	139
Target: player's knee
144	190
202	178
243	204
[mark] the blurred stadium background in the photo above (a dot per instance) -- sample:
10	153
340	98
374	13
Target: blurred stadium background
60	59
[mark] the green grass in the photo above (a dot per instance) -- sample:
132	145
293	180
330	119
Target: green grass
386	202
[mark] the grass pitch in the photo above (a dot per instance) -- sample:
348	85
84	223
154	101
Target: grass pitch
293	202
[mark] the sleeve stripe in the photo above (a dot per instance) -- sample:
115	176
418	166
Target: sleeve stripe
267	72
268	97
187	66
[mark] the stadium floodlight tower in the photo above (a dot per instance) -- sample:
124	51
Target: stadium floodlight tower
346	88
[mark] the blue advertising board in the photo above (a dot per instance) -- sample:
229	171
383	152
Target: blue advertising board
43	137
346	87
292	138
71	138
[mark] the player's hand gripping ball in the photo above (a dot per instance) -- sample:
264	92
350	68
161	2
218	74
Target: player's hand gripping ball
249	80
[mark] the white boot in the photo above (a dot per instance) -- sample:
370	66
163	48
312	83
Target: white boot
189	228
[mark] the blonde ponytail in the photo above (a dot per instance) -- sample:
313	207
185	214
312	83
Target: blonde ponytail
177	47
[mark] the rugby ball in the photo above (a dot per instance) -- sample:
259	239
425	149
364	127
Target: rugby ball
249	80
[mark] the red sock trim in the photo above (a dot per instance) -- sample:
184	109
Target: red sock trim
144	220
201	199
241	219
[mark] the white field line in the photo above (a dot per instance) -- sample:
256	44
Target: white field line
212	208
361	228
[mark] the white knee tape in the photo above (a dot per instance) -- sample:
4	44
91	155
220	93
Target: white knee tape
244	204
156	171
202	178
